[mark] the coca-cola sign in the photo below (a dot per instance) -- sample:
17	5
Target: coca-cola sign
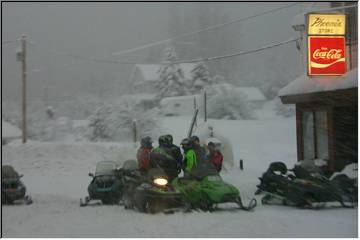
326	55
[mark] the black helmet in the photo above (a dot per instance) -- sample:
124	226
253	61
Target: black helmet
169	139
194	138
146	142
162	140
186	143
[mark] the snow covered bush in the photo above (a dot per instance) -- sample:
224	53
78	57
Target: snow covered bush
286	110
115	122
39	127
224	102
171	77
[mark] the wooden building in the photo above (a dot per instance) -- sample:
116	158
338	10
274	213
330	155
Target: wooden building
326	118
327	106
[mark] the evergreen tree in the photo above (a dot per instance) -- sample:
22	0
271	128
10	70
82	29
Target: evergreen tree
171	76
200	77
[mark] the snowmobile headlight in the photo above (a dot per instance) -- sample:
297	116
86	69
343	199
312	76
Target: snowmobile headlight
160	181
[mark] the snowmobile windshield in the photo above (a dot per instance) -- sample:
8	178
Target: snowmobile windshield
105	168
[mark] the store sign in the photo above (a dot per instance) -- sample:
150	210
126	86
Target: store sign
326	55
326	24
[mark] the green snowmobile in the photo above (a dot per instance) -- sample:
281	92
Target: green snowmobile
152	193
205	190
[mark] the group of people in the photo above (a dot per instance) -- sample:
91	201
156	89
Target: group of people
172	160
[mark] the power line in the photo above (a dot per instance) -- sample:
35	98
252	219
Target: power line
201	30
182	61
6	42
58	53
239	53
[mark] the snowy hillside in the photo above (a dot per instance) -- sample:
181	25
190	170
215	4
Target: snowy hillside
56	175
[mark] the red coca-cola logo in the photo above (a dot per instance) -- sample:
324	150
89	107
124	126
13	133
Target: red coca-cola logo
327	56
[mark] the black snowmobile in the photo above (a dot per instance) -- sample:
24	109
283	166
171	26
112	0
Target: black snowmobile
12	188
105	185
300	188
152	193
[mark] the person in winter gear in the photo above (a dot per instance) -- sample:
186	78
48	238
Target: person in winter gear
190	159
215	157
143	154
175	151
199	150
162	157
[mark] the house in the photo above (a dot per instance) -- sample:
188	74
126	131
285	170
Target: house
145	76
9	132
254	96
181	105
327	105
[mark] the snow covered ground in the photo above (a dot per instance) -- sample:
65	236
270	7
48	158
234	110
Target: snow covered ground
56	177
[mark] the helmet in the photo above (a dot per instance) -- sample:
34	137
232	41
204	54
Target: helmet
169	139
162	141
214	143
186	143
194	139
146	142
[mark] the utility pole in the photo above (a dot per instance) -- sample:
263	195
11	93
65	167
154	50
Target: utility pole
205	117
23	67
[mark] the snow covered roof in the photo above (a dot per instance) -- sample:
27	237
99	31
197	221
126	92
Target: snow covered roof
140	96
166	100
9	130
150	72
252	93
305	84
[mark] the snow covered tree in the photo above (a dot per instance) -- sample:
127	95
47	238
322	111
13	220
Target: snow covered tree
224	102
171	76
200	77
115	122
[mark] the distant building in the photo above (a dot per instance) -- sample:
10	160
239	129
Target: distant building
145	76
181	105
254	96
327	106
9	132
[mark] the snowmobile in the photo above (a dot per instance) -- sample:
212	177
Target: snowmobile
152	193
205	190
299	188
105	185
12	188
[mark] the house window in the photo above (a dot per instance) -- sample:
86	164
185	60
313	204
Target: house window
322	149
315	135
308	135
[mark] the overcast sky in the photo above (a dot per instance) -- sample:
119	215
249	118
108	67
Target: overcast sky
100	29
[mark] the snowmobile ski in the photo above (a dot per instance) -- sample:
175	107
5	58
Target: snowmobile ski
251	205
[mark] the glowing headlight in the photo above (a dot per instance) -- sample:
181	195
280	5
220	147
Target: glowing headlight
160	181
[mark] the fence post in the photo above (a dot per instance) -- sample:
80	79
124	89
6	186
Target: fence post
134	130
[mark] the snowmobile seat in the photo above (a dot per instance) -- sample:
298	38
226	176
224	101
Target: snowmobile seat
130	165
278	167
301	172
